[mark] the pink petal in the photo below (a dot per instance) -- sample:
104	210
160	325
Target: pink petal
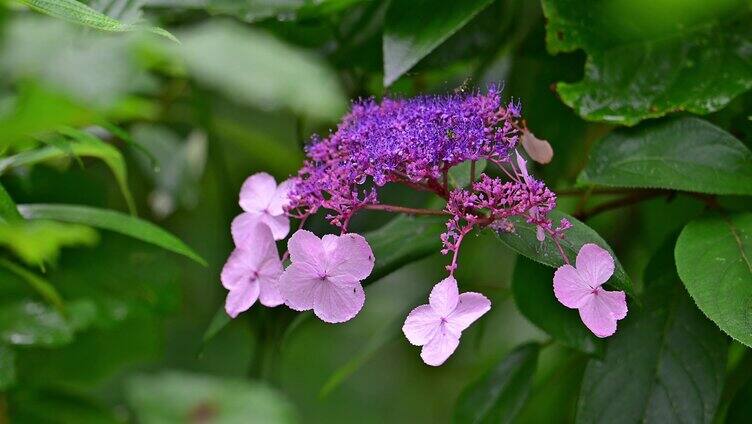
338	301
351	256
305	247
602	311
269	294
280	225
522	163
569	288
280	198
470	307
539	150
242	227
241	298
244	261
421	325
298	286
594	264
257	192
441	347
444	296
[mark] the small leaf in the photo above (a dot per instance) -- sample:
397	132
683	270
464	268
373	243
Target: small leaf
182	397
267	73
665	363
412	29
713	257
682	154
45	289
33	324
532	287
83	144
40	241
79	13
7	367
460	174
524	242
499	395
8	209
113	221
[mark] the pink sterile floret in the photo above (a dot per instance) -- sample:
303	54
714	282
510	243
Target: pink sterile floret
438	325
580	288
325	274
262	200
252	272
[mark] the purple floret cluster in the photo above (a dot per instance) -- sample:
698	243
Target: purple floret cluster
413	141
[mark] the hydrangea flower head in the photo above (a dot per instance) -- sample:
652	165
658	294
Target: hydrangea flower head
581	288
252	271
262	200
325	274
438	325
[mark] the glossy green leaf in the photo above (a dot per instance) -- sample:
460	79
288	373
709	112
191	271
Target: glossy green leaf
79	13
532	287
665	364
113	221
7	367
500	394
713	257
460	175
524	241
82	144
181	397
253	67
412	29
40	241
681	154
33	324
647	59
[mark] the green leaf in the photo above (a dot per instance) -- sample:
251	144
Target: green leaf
81	14
665	363
499	395
532	287
45	289
252	67
647	59
284	10
412	29
459	175
33	324
7	367
113	221
83	144
713	257
391	250
58	406
181	397
681	154
8	209
524	242
40	241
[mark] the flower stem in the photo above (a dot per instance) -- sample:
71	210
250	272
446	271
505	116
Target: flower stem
403	209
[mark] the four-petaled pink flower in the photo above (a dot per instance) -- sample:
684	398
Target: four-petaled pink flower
325	274
252	271
438	326
262	200
580	288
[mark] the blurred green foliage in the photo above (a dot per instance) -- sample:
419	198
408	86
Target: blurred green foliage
122	153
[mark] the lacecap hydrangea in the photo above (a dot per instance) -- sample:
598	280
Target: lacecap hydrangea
414	142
